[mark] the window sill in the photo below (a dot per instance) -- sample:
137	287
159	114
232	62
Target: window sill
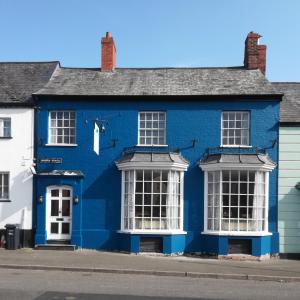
5	137
61	145
237	233
139	145
5	200
235	146
157	232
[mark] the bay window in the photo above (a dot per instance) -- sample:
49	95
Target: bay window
152	192
152	200
236	193
236	201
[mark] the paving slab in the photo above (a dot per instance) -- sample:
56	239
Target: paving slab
92	260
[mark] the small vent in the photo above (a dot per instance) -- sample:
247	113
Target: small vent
239	247
151	244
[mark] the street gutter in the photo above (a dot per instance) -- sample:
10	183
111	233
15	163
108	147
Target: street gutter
153	272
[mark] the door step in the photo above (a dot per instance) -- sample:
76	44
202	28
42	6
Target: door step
61	247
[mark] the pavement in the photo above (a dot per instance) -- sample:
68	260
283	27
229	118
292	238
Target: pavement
274	269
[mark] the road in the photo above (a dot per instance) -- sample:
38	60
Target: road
58	285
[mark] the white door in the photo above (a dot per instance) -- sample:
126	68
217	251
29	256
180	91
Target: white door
59	213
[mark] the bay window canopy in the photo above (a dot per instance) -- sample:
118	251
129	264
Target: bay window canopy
152	192
236	193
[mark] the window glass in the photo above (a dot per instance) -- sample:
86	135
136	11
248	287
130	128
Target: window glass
5	127
62	127
236	201
152	128
235	128
4	186
155	197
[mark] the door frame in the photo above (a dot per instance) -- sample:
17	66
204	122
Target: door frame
48	211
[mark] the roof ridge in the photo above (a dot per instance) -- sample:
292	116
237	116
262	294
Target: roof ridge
29	62
160	68
285	82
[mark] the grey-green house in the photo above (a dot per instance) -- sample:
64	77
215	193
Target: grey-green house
289	170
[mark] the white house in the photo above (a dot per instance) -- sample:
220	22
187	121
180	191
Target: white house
17	83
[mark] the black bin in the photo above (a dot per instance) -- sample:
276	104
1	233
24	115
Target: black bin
12	236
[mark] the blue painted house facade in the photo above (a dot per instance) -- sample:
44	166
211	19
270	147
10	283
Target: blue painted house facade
171	160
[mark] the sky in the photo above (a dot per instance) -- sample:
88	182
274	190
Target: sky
152	33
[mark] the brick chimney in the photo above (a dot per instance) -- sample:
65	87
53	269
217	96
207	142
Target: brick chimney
108	53
255	54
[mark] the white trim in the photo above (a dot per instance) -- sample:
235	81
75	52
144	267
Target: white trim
237	233
152	165
122	199
156	232
48	211
181	199
266	210
140	145
236	146
235	166
205	199
62	145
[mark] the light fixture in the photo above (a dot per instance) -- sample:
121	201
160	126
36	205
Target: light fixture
76	199
40	199
102	128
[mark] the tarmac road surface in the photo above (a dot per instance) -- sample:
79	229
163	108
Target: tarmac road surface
57	285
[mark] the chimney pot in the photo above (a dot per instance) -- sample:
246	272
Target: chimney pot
108	53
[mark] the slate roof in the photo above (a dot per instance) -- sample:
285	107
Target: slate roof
170	157
290	105
255	159
159	81
19	80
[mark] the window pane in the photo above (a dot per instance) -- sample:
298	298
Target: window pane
54	207
66	208
65	228
154	122
54	227
62	127
235	128
243	201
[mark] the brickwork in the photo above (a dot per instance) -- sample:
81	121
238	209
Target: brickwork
255	54
108	54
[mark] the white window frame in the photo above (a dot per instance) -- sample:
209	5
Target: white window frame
2	174
134	230
235	128
62	128
2	120
264	232
152	129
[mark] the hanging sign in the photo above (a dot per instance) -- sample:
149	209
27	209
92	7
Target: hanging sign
96	139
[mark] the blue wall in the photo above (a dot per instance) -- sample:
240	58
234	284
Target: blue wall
101	187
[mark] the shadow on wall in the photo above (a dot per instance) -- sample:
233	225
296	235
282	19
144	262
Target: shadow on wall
19	210
289	221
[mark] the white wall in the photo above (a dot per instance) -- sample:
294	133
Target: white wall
16	157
